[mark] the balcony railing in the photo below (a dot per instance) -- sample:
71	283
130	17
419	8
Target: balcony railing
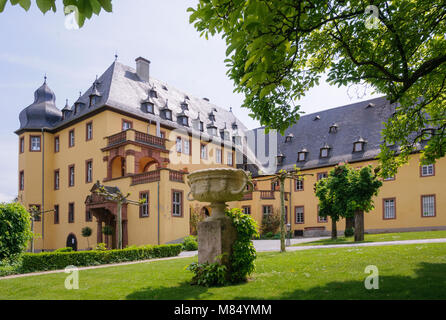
266	194
147	138
176	176
247	196
137	136
146	177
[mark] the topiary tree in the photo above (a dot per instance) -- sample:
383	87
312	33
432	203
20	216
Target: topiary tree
347	192
15	230
86	233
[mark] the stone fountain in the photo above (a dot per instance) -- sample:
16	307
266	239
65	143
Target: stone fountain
216	234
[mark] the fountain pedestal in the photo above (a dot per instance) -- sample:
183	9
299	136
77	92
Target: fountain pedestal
216	234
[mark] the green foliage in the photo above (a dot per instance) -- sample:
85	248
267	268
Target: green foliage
15	225
346	190
349	232
86	232
208	274
241	263
195	218
244	253
270	223
278	50
101	247
66	249
190	243
84	8
32	262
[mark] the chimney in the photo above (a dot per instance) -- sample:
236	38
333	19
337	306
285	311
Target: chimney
143	68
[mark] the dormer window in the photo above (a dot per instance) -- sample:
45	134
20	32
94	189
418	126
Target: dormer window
324	151
212	129
289	137
201	126
234	126
280	158
184	120
370	105
302	155
147	107
333	128
211	117
153	93
237	140
317	118
168	114
184	105
358	146
224	134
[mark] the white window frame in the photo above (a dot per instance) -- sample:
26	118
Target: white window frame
427	170
203	151
145	205
176	204
299	217
186	146
229	159
299	185
35	143
428	206
179	144
389	208
218	155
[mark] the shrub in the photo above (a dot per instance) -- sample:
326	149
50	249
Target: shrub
190	243
101	246
241	263
271	223
59	260
349	232
14	230
208	274
86	233
67	249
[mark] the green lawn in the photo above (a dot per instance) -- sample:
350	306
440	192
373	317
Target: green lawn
380	237
416	271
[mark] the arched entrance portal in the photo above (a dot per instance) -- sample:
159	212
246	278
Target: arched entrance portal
72	241
106	214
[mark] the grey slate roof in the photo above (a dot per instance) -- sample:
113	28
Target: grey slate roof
354	122
120	87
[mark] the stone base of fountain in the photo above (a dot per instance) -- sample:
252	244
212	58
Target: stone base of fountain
216	236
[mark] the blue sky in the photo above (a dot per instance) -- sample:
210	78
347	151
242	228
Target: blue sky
33	44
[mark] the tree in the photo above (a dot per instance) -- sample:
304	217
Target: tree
278	50
86	233
348	192
83	9
15	230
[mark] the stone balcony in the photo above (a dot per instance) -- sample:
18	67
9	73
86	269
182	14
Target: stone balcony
131	135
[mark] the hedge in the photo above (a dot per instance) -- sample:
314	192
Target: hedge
32	262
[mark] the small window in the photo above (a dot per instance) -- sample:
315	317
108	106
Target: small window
177	203
144	207
218	156
71	138
89	171
333	129
299	215
168	114
299	185
428	206
179	144
324	153
56	214
267	210
246	210
88	216
56	180
89	131
234	125
212	131
229	157
22	181
427	170
389	208
162	134
301	156
322	175
71	213
34	143
185	121
358	147
204	152
56	144
71	176
148	107
212	117
201	126
22	145
126	125
289	137
186	146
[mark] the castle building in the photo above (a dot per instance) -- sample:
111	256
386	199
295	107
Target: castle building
132	133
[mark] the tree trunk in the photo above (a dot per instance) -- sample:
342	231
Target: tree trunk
282	216
334	230
349	222
359	226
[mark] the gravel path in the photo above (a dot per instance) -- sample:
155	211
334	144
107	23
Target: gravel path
260	245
